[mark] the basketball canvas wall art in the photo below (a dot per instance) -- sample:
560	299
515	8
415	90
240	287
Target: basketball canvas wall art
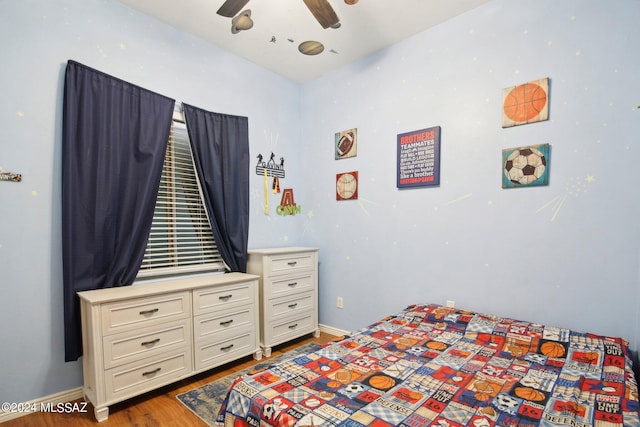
525	166
525	103
346	143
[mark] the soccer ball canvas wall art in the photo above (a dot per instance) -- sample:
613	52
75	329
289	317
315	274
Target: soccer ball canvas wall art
525	166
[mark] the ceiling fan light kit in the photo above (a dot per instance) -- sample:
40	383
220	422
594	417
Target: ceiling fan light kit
241	22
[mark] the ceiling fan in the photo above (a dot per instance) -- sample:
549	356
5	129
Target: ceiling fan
230	8
321	10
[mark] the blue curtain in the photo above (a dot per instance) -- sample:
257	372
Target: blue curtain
220	145
114	139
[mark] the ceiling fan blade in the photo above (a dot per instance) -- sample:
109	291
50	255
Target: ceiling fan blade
230	8
323	12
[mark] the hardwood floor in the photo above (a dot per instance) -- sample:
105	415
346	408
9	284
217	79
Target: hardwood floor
156	408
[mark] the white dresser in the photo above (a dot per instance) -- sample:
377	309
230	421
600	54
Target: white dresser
288	293
138	338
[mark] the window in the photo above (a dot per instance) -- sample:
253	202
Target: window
181	240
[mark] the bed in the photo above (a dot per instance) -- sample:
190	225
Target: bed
441	366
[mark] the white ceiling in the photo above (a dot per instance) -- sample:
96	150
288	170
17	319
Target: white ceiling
367	26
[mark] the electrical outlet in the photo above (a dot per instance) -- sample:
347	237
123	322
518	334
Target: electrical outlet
340	303
451	303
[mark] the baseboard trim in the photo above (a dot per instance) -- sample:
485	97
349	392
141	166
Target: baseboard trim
36	404
333	331
76	393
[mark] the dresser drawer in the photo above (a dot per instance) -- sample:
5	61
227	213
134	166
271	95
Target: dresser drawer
286	330
290	263
289	306
210	353
141	343
134	379
140	312
223	323
223	297
285	286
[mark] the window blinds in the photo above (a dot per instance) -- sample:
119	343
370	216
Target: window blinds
181	240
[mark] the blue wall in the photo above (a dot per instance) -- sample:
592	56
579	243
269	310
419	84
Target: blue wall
563	254
39	36
566	254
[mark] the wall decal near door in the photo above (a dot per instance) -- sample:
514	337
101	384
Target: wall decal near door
10	176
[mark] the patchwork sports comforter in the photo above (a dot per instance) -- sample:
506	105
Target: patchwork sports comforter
434	365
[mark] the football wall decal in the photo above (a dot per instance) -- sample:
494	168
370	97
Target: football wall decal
525	166
346	144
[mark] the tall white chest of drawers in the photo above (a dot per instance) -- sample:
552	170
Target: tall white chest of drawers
288	293
138	338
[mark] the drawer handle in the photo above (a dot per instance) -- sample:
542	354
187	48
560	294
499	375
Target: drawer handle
229	347
152	342
226	322
292	263
225	297
293	284
149	373
295	325
147	312
293	305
